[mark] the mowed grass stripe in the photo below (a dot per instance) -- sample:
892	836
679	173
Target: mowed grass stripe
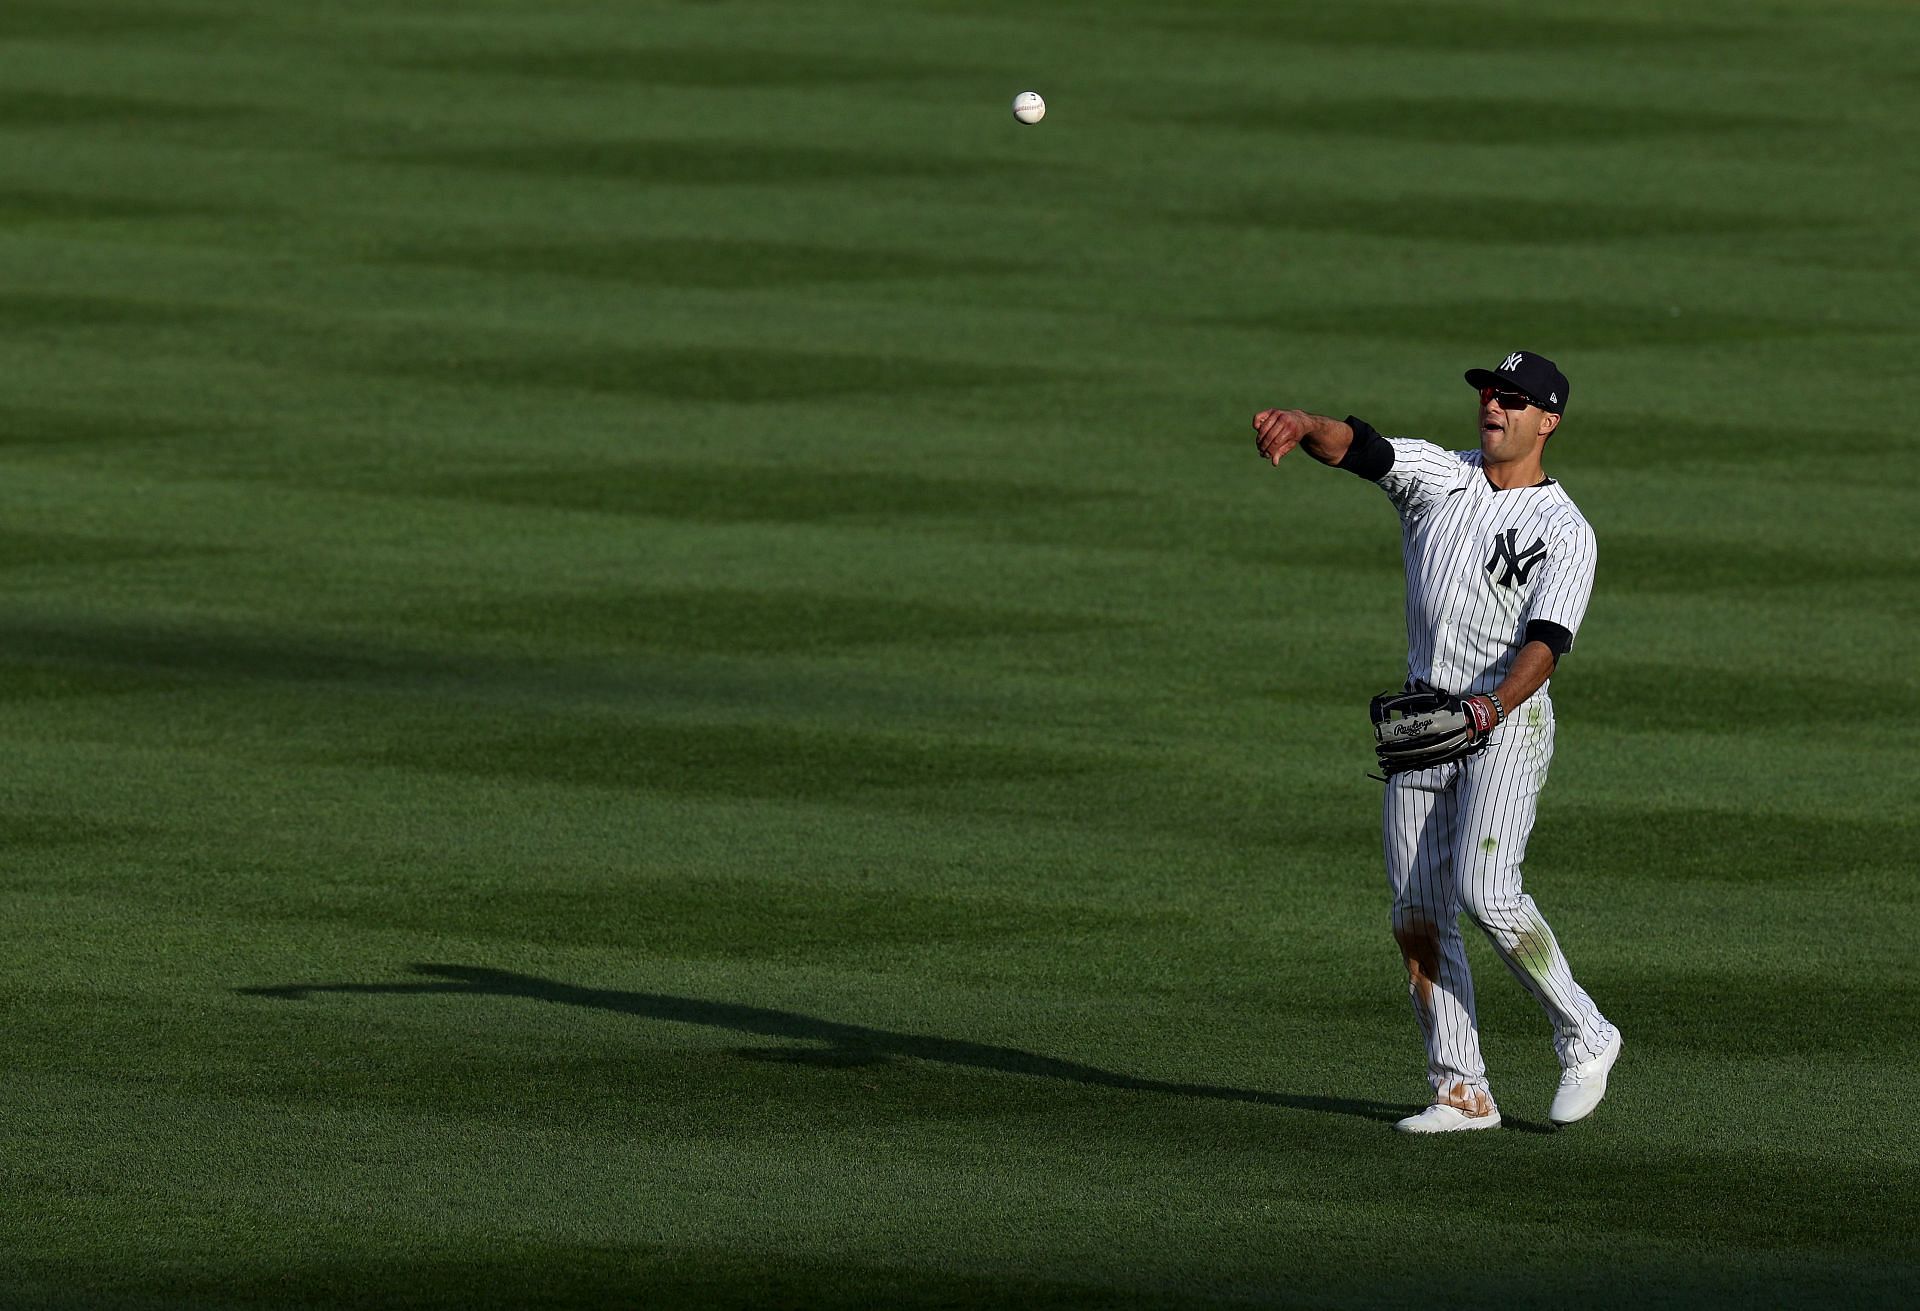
91	20
720	263
701	162
1582	326
1447	28
733	493
1446	121
25	206
1477	219
737	621
661	64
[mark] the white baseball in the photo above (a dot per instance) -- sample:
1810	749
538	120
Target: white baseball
1028	107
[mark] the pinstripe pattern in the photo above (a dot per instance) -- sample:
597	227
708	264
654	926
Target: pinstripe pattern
1464	626
1455	836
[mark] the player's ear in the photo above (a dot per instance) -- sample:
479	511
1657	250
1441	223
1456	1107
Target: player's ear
1548	422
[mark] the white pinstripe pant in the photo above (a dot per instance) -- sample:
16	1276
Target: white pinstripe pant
1455	839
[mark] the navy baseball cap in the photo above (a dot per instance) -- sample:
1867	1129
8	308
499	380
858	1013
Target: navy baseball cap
1536	375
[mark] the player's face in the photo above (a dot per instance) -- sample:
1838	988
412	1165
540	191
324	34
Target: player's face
1509	424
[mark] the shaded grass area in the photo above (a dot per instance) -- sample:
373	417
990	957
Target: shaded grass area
1486	220
700	163
1654	696
703	373
721	66
1731	844
542	1275
743	622
41	20
23	205
1449	27
729	759
724	493
694	262
1456	120
1592	325
643	665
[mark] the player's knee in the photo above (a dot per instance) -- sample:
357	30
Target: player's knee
1485	863
1490	896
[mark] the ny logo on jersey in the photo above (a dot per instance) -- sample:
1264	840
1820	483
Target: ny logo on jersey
1518	563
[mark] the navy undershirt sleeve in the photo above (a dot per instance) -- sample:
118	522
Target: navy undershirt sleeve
1557	639
1371	455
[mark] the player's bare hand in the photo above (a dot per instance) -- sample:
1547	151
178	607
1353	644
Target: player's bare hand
1278	431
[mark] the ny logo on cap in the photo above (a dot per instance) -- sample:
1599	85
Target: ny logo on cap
1511	363
1519	564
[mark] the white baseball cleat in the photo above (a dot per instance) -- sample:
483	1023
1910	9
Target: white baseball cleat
1441	1118
1583	1085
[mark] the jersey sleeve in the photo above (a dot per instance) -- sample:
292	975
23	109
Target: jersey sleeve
1566	579
1421	474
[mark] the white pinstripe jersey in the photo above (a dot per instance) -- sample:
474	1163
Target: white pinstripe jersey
1482	564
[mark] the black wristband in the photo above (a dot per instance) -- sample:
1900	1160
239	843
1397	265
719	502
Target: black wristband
1370	455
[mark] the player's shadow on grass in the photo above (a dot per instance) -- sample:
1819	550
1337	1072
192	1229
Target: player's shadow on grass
845	1044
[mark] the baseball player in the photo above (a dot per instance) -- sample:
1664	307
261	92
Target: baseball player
1499	567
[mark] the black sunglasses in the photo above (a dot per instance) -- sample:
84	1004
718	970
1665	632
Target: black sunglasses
1509	400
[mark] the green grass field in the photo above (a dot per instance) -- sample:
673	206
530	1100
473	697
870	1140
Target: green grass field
646	660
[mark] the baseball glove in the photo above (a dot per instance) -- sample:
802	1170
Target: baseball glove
1421	729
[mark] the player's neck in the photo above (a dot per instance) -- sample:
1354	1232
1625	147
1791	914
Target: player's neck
1508	474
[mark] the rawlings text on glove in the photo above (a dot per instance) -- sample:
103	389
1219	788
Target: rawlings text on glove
1421	729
